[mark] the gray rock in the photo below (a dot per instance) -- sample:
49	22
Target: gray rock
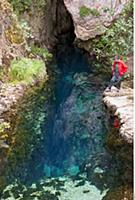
122	106
94	24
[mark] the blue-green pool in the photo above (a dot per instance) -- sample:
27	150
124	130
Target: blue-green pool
71	161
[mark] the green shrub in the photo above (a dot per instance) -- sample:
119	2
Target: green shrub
118	39
26	29
26	70
3	126
21	6
42	52
85	11
25	5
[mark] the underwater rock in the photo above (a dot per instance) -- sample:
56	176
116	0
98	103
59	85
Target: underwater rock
75	126
74	170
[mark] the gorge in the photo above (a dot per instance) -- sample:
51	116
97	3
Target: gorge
63	136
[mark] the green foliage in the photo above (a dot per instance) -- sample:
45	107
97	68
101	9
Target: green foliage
27	122
27	126
26	70
42	52
118	39
25	5
26	29
3	126
21	6
85	11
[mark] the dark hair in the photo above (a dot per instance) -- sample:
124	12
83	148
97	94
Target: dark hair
121	57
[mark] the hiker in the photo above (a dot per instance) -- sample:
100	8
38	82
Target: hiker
119	68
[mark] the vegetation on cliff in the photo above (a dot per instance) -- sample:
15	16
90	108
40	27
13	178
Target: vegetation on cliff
23	77
22	6
27	70
27	130
118	40
85	11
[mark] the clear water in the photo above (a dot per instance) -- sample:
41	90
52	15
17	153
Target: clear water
75	144
74	162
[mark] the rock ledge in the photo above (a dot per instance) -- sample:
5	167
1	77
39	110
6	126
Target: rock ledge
121	104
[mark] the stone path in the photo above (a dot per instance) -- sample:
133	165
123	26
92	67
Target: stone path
121	104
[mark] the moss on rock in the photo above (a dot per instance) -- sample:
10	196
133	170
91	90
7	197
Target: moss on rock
85	11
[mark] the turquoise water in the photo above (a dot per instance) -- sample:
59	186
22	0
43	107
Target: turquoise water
73	163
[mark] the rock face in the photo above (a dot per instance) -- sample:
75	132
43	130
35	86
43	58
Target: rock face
91	18
58	27
12	42
9	95
120	135
50	23
121	104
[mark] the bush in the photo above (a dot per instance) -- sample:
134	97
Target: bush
26	70
85	11
118	39
26	29
42	52
25	5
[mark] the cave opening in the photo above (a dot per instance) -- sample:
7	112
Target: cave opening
59	25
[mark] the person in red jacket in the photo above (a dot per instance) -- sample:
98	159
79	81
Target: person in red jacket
119	68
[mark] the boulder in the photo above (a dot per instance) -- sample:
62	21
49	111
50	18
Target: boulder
91	18
121	105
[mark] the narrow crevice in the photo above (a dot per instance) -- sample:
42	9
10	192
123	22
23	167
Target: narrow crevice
60	27
64	24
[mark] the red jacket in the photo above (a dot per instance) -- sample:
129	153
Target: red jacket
122	67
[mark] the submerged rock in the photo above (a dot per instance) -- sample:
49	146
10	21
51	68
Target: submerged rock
75	134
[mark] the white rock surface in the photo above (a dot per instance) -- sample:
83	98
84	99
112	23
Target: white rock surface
89	26
121	104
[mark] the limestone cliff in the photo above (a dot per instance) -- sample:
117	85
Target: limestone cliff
121	105
120	133
91	18
49	21
12	46
12	42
